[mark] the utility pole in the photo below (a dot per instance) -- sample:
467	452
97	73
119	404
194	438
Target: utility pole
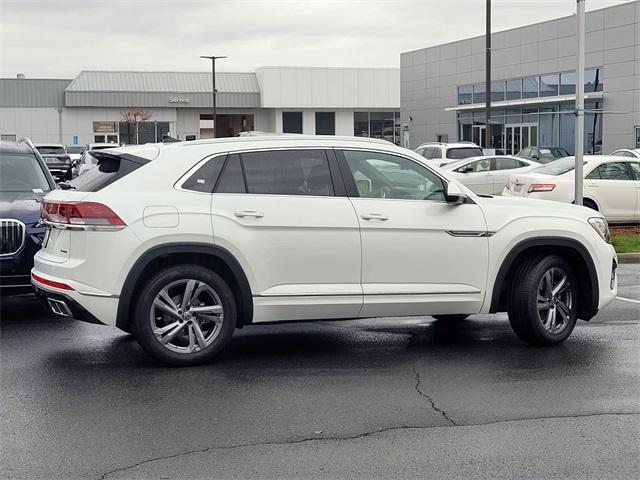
579	147
487	88
213	59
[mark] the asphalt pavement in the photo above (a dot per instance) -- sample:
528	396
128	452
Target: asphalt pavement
376	398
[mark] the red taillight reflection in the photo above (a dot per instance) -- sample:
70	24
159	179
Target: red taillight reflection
50	283
80	213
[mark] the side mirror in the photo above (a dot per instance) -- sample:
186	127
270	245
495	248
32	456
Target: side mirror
535	156
455	195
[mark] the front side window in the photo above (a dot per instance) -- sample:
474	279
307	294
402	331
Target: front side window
382	175
22	173
436	153
483	165
635	168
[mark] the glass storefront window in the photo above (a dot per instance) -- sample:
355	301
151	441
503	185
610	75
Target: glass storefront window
479	93
568	83
593	78
549	85
497	91
361	124
142	132
513	115
530	115
593	128
465	94
465	120
530	87
548	122
514	89
567	132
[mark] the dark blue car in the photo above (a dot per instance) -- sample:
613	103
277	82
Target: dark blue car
24	180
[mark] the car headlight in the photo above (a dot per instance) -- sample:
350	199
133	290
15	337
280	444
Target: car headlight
601	226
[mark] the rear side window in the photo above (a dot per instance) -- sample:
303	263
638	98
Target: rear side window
231	179
464	152
283	172
110	168
436	153
508	163
204	179
612	171
288	172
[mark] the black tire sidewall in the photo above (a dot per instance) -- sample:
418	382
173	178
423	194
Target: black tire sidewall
538	334
141	325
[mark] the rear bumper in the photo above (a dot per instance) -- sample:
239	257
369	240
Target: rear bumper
65	306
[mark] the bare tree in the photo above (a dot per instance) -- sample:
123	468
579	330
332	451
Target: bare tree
135	115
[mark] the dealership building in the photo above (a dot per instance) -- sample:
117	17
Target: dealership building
533	85
140	107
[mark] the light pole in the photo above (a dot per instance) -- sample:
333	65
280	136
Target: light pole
213	59
579	180
487	88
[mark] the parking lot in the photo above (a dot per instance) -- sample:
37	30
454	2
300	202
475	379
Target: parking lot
400	397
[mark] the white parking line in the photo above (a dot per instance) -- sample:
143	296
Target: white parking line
628	299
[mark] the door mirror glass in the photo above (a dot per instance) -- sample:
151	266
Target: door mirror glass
455	194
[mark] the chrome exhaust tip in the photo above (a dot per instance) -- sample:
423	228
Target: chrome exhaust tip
59	307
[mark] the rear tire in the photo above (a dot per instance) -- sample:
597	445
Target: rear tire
543	300
457	317
180	331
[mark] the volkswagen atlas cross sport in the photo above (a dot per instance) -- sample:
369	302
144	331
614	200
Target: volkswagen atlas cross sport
182	243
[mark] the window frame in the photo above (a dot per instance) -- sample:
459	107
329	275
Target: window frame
350	182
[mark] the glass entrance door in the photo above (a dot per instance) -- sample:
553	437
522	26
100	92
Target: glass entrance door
479	135
517	137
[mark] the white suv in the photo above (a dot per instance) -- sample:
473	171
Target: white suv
182	243
443	153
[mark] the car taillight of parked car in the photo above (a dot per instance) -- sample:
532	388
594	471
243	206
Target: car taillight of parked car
541	187
81	214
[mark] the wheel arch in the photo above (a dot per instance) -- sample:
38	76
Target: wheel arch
570	249
213	256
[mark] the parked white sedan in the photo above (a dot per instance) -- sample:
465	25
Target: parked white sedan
611	185
488	175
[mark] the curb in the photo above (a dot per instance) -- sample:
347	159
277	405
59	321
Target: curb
629	257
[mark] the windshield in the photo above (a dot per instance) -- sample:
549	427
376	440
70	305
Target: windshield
22	173
558	167
75	149
50	150
551	153
464	152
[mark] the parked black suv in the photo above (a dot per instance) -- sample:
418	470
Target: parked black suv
24	180
57	159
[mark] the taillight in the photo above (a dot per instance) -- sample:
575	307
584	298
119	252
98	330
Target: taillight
541	187
81	214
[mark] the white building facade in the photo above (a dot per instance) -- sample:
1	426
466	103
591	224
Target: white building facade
141	107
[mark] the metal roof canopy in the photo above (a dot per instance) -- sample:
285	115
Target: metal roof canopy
162	89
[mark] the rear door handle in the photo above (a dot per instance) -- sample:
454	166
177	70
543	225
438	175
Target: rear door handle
592	184
248	213
374	216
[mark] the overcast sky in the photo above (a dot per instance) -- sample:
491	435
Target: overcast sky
58	38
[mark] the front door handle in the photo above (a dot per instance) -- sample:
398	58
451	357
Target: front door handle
592	184
374	216
248	213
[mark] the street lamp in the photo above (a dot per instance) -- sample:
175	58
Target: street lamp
213	59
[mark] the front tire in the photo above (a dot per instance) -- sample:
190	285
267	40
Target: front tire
185	315
543	300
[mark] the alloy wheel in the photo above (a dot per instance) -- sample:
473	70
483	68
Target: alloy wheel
554	300
186	316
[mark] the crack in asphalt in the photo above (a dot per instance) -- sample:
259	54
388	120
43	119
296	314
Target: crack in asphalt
357	436
429	399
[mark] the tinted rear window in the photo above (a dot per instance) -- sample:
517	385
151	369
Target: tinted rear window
109	169
464	152
51	150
